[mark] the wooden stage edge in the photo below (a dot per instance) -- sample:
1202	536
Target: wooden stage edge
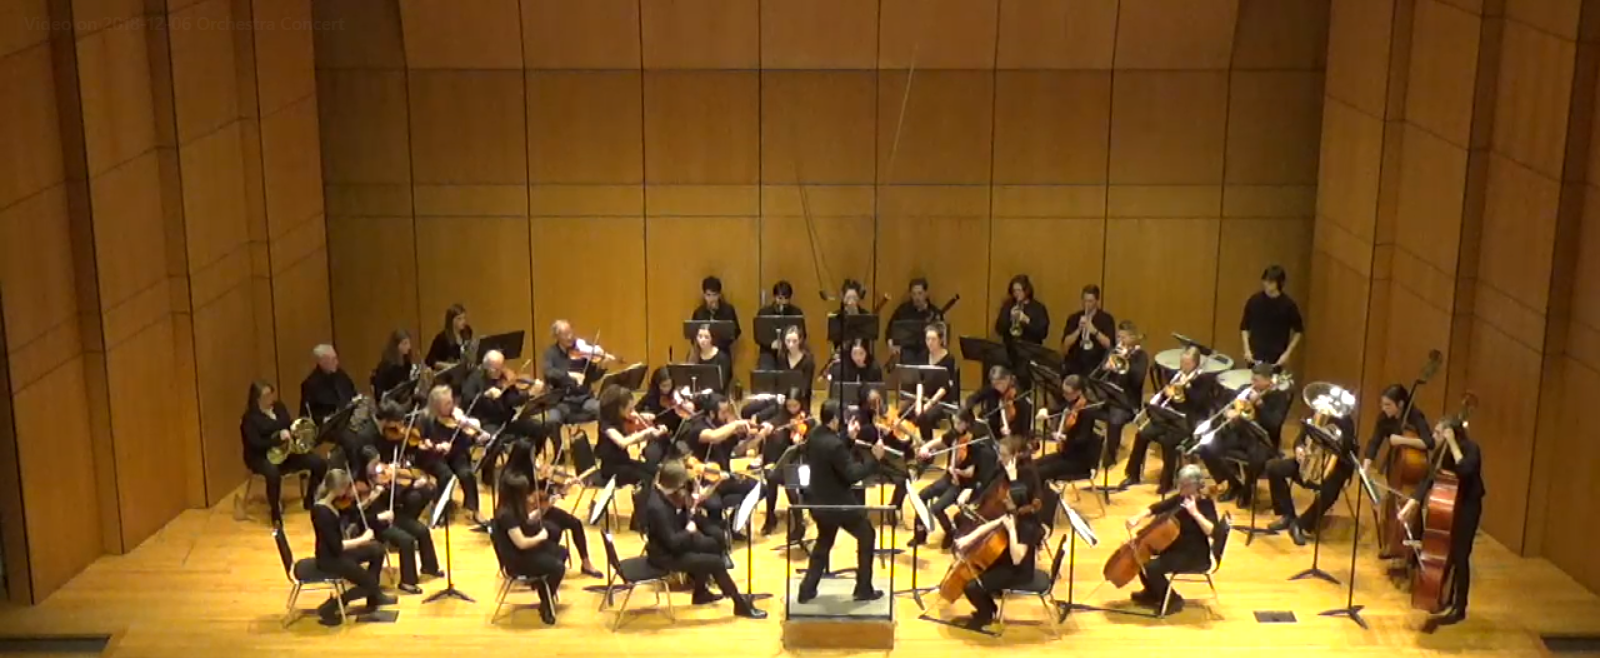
209	585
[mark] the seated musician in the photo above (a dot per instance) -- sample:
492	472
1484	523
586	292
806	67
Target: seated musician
1071	428
1468	468
417	487
796	357
1240	442
1389	430
712	438
406	534
872	413
449	346
1088	335
496	399
1129	378
357	558
327	389
675	540
1001	404
616	442
1024	529
714	307
1196	390
1191	551
361	430
446	450
929	410
859	367
660	404
524	462
962	480
526	543
1281	471
263	426
392	376
834	474
782	306
784	425
572	371
706	352
1271	326
916	308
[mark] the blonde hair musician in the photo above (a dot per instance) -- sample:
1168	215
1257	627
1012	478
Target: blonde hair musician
358	560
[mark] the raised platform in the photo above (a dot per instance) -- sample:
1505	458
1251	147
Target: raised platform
835	620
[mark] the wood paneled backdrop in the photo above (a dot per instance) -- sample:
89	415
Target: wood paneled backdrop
593	160
161	245
1458	210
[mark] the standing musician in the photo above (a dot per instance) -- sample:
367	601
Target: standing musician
570	366
621	428
498	396
1072	428
713	436
917	308
1190	393
784	425
1125	367
1001	404
446	451
405	533
859	367
1088	335
1468	468
264	425
928	411
327	389
1283	470
834	472
783	306
446	349
527	544
975	465
356	557
1024	529
1196	515
1271	327
1270	407
714	307
674	541
524	463
707	352
393	372
1391	431
1022	317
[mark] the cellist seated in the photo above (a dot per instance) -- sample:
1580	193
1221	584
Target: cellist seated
1196	515
1022	528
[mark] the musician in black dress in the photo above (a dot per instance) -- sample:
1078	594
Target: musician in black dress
1390	431
713	437
784	426
1001	405
406	534
675	540
1088	335
1071	428
660	403
714	307
1023	527
706	352
446	349
1468	468
390	378
797	357
872	414
1238	440
327	389
858	366
930	410
1282	471
358	559
834	473
446	450
1021	319
525	543
782	306
616	442
1197	390
1196	515
915	308
571	368
1271	327
263	426
975	464
1130	379
524	462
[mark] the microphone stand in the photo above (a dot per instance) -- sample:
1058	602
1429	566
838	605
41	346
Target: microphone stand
1350	609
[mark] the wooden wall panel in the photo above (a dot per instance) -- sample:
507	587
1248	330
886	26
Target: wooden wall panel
204	81
708	34
64	530
139	381
36	248
1533	98
818	126
284	55
1176	34
302	312
595	34
13	515
441	34
214	197
1167	127
1281	34
569	283
819	34
1347	180
702	127
1443	65
370	38
1359	45
1163	274
937	34
16	32
1057	34
1433	182
364	131
1520	214
221	385
292	177
585	127
467	127
114	75
1578	493
944	135
128	233
676	261
1052	126
1422	326
1247	247
28	126
362	254
1274	119
1335	313
1505	374
927	232
495	290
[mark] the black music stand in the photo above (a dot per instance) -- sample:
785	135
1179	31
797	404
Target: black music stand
926	518
850	392
1115	398
1258	433
1350	609
1331	446
843	328
769	328
932	379
984	351
777	382
744	517
1078	527
442	512
698	376
721	330
631	378
508	345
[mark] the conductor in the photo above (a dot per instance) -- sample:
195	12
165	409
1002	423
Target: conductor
833	472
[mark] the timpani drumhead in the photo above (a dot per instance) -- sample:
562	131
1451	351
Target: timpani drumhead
1168	359
1217	362
1234	380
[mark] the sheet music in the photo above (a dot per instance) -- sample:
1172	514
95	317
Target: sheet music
1080	526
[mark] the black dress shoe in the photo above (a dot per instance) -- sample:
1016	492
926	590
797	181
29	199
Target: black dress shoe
868	595
948	542
592	572
547	614
977	622
770	526
749	611
806	595
1298	535
1281	524
1127	482
410	588
705	598
1228	496
917	539
433	573
381	599
1146	597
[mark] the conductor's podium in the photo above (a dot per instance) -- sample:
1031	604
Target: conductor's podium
835	620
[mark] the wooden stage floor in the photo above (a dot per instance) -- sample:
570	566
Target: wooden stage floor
208	585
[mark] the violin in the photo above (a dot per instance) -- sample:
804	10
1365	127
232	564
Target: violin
396	431
581	349
636	422
465	429
555	482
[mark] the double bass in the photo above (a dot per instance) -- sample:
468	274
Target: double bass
1407	467
1430	581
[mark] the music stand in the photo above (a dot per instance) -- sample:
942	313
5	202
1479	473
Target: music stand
1078	527
509	345
843	328
932	379
745	518
926	518
631	378
599	508
441	511
984	351
769	328
852	391
699	376
721	330
1350	609
908	333
777	382
1315	571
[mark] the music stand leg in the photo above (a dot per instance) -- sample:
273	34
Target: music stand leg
750	562
449	590
1350	610
1316	571
915	592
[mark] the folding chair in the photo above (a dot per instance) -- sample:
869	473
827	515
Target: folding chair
303	575
507	581
1041	586
1219	544
632	573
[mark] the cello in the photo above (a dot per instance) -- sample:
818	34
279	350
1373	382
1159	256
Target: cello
982	553
1406	469
1430	582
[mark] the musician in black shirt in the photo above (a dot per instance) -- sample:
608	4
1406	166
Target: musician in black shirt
1001	405
570	367
1197	389
327	389
916	308
1388	430
970	471
834	473
1238	440
1080	446
1023	526
393	373
1463	457
674	541
1130	380
1282	471
1196	515
496	398
782	306
797	357
1271	326
405	533
264	425
358	559
931	410
707	352
714	307
616	461
525	543
446	349
446	450
857	367
1022	317
524	462
782	426
1088	334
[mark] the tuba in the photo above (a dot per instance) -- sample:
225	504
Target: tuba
1327	402
302	439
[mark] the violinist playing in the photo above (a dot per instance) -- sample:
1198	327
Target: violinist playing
675	540
1463	457
373	480
896	433
1270	407
974	465
445	451
1196	515
549	484
784	425
622	428
1072	428
1024	528
570	367
400	452
497	396
358	559
1001	404
664	406
714	436
525	544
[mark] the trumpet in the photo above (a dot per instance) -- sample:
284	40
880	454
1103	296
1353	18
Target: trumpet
1085	341
1016	320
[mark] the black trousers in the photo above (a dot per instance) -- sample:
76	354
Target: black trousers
574	412
1463	533
361	566
982	591
573	526
774	482
631	472
1116	419
704	558
929	421
1169	439
548	561
939	496
725	498
458	466
1231	445
1156	575
1074	463
273	474
829	522
406	544
1283	471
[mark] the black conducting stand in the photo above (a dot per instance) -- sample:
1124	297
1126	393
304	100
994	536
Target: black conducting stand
445	510
1350	609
